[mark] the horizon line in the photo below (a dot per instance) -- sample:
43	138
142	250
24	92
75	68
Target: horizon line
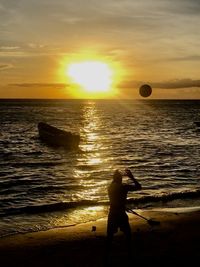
64	99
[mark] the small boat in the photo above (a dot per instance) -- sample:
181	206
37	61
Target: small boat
56	137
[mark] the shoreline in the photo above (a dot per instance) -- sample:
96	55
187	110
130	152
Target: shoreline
174	240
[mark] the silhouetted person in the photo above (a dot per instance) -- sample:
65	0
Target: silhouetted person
117	217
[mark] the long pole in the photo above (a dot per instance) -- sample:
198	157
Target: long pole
150	221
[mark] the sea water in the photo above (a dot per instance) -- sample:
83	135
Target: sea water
43	187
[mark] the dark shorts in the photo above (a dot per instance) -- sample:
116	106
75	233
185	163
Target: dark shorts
118	220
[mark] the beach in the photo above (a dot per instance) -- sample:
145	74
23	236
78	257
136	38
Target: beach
175	240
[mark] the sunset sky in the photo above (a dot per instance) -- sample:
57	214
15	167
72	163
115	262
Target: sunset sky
147	41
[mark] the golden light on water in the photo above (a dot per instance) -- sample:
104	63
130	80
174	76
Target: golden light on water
89	165
89	162
90	130
96	160
80	215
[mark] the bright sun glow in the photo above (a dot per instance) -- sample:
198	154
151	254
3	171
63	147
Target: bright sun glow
93	76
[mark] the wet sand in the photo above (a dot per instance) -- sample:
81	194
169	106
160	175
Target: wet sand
174	242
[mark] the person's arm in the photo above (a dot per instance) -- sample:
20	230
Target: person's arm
137	185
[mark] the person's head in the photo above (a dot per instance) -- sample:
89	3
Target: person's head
117	177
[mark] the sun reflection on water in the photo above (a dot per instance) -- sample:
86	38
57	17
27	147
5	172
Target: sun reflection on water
89	130
90	162
80	215
90	134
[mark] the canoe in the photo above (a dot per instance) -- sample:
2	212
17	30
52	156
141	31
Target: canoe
57	137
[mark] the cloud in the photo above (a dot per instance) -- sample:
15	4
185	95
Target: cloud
5	66
136	25
48	19
8	48
174	84
177	84
190	7
49	85
185	58
22	49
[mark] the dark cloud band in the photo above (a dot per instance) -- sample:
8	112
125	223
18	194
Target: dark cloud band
175	84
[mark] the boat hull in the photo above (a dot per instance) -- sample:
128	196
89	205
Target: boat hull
56	137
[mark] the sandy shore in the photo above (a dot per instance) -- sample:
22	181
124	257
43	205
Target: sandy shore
175	241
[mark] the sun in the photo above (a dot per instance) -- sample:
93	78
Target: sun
88	74
93	76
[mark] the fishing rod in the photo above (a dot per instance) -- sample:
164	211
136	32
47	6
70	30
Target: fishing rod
151	222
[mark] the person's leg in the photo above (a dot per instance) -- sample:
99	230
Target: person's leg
126	229
108	246
127	233
109	239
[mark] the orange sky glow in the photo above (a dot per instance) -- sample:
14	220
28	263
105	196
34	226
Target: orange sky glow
112	46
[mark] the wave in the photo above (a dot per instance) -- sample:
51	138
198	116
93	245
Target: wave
58	206
165	197
6	155
6	188
32	164
37	153
61	206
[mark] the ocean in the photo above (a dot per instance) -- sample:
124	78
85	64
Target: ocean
43	187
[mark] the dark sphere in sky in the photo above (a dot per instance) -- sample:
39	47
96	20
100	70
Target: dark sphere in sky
145	90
